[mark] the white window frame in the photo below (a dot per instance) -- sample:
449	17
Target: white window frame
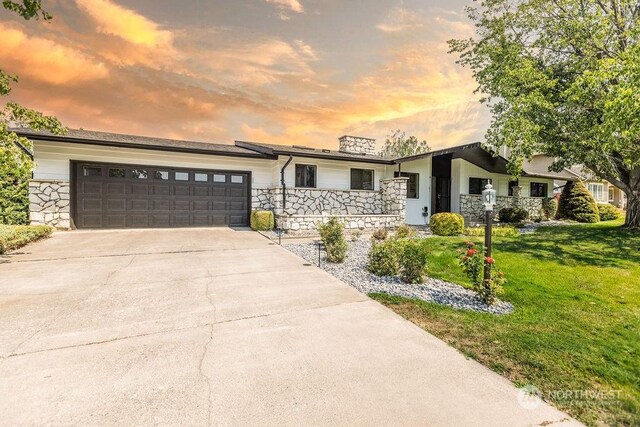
597	191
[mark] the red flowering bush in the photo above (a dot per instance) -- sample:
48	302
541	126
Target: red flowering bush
472	261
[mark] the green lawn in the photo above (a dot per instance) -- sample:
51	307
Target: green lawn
575	332
15	236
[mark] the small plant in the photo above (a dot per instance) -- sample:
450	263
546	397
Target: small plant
332	235
412	258
607	212
513	215
472	261
380	234
404	232
383	259
262	220
355	235
447	224
550	207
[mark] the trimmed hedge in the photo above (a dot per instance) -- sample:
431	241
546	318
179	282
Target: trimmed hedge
332	234
447	224
383	258
15	236
607	212
550	207
577	204
412	257
513	215
262	220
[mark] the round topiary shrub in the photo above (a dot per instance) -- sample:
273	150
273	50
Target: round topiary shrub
577	204
447	224
513	215
607	212
262	220
550	207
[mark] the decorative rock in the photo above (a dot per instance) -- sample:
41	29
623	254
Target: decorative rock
49	203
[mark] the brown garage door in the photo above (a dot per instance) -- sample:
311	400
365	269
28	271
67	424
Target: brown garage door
121	196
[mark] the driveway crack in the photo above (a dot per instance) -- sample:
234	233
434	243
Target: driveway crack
206	378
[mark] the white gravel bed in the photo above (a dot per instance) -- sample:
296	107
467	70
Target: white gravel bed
354	272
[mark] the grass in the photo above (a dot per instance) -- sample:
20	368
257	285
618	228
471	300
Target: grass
575	332
15	236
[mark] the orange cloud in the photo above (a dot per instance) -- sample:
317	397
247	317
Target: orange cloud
400	19
46	60
292	5
126	24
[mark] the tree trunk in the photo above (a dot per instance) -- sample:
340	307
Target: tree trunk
633	209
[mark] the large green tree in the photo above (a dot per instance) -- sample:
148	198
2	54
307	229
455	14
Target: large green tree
398	144
562	77
16	161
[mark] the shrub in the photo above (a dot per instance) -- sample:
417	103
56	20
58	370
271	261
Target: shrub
14	236
577	204
404	232
513	215
607	212
383	259
472	261
380	234
355	235
447	224
507	231
332	234
262	220
412	258
550	207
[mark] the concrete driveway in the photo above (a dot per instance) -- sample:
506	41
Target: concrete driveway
216	326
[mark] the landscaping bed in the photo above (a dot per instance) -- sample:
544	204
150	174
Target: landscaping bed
15	236
354	272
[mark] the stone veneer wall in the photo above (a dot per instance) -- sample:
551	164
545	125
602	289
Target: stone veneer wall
472	208
394	196
294	223
356	144
49	203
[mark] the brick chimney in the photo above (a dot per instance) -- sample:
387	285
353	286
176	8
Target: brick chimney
357	145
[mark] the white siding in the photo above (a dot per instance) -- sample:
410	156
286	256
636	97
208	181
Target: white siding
415	206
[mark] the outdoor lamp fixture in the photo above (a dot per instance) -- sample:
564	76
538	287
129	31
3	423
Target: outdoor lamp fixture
489	200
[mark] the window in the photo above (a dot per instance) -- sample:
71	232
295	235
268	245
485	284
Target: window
237	179
597	191
182	176
200	177
138	173
163	175
512	185
92	171
611	194
362	179
538	189
306	176
219	178
116	173
476	185
412	183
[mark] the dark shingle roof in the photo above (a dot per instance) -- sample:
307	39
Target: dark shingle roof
317	153
81	136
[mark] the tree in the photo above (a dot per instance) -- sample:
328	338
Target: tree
562	77
577	204
16	162
399	145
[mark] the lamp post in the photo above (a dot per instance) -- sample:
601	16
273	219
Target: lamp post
489	200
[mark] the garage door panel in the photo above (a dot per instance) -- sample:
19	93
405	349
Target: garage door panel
121	196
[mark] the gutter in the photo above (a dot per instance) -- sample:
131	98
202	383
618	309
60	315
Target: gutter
24	149
284	185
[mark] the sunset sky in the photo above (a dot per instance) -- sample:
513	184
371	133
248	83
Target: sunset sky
277	71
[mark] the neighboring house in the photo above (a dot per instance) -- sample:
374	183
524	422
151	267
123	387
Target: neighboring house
91	179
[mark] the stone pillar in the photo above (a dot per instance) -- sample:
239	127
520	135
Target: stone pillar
394	196
517	196
49	203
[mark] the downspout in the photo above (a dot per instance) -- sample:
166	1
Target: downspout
283	184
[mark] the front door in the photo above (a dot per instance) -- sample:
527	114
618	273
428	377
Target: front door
443	195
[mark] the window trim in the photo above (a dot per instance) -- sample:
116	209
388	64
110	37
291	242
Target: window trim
295	175
489	181
600	186
546	187
373	179
402	174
